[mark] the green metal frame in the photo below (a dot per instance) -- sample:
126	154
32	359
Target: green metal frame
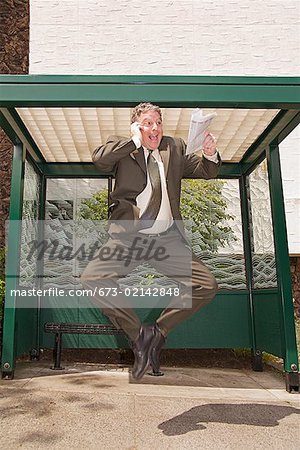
281	93
13	243
237	92
247	240
282	258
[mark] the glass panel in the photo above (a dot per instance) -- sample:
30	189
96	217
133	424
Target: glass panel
213	208
289	150
73	210
32	186
76	216
263	253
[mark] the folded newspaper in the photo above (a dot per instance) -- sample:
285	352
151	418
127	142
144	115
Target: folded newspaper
199	123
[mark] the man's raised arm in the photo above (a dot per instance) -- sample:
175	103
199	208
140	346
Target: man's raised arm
108	155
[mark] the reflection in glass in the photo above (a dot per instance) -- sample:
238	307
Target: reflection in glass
32	186
69	219
213	207
210	209
263	253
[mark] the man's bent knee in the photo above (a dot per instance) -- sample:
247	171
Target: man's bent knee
206	292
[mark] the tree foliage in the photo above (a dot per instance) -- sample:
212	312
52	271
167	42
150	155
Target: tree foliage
95	208
204	206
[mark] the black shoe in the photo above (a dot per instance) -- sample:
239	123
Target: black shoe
158	343
142	348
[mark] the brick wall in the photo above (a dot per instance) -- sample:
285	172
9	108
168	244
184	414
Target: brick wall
295	271
14	59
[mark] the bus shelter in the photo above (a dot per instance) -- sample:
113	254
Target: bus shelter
55	122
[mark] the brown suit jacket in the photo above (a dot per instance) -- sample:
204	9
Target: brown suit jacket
120	157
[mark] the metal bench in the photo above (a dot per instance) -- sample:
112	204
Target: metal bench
79	328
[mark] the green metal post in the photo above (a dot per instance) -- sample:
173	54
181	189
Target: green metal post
248	243
282	259
40	264
13	258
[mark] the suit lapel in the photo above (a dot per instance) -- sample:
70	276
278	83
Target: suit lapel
164	150
139	156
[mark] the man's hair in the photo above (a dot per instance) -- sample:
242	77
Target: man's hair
143	107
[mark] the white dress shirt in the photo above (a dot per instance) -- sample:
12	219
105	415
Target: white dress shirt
164	218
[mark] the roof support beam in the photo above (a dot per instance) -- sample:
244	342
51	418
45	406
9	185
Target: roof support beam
17	132
88	170
279	128
233	92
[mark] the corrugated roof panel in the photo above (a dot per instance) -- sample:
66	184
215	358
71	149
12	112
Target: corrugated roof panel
71	134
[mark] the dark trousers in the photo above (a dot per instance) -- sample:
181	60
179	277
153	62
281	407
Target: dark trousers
197	284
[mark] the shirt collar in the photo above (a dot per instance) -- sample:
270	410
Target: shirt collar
147	151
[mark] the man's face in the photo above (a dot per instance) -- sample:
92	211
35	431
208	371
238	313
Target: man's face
151	129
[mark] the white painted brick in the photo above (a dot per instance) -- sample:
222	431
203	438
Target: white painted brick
290	163
196	37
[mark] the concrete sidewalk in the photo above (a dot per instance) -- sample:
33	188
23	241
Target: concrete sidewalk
100	407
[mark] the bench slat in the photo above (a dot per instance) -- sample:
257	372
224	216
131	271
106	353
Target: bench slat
82	328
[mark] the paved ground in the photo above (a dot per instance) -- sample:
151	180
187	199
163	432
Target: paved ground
91	407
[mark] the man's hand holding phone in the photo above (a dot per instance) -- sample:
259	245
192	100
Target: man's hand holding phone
136	134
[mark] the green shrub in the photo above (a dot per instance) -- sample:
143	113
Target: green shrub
2	263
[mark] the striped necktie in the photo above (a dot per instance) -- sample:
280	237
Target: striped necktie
152	209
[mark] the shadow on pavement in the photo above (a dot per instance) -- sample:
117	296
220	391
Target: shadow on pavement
256	414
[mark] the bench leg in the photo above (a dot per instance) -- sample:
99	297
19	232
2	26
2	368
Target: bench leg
34	354
57	352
